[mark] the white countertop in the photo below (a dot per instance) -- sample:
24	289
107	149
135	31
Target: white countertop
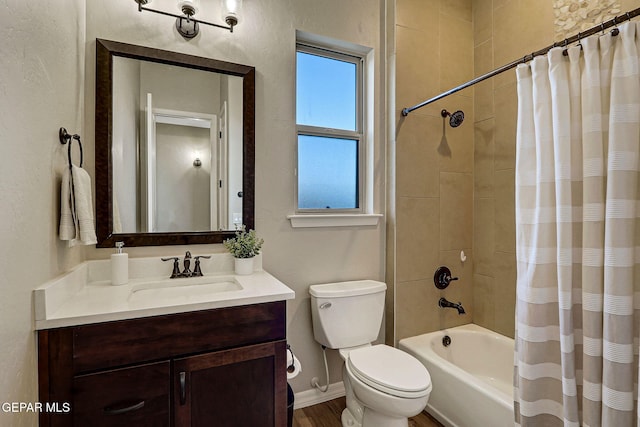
85	295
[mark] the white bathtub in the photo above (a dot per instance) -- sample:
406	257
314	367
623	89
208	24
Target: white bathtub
472	377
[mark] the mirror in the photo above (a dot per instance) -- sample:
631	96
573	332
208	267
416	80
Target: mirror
175	146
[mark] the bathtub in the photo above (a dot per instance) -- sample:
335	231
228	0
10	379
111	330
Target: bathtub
472	377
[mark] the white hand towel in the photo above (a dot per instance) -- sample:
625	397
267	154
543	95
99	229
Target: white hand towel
76	217
67	222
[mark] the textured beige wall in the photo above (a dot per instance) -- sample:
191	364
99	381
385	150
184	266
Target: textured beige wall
434	163
572	16
47	81
41	88
266	39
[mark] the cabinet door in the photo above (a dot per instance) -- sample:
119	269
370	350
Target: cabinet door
240	387
137	396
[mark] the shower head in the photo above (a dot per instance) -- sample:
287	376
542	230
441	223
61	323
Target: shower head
455	119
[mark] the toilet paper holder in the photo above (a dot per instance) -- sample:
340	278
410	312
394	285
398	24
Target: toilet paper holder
292	367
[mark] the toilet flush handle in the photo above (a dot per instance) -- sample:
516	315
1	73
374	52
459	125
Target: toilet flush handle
325	305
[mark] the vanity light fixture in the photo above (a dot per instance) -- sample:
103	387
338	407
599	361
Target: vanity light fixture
187	25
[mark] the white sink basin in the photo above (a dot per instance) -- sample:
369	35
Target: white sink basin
183	289
85	295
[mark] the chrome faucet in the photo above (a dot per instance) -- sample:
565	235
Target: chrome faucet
443	303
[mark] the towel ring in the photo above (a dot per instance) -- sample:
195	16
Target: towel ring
66	137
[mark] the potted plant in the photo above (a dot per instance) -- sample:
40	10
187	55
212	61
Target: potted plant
244	246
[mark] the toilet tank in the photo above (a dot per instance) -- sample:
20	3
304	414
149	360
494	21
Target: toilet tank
347	314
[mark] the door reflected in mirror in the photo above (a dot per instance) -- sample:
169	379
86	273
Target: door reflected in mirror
177	139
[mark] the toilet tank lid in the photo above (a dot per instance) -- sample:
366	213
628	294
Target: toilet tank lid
347	289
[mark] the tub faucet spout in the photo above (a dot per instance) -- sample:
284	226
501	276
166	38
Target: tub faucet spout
443	303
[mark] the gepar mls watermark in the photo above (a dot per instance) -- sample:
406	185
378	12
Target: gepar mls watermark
21	407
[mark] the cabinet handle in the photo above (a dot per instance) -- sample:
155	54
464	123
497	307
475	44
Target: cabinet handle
115	410
183	388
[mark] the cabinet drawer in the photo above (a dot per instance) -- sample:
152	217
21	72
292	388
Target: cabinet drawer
136	396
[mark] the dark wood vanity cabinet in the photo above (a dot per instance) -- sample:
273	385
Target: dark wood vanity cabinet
223	367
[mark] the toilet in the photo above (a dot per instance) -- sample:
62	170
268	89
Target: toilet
384	386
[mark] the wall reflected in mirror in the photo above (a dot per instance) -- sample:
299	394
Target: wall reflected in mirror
177	140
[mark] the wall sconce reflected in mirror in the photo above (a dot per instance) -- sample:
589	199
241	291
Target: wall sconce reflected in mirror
187	25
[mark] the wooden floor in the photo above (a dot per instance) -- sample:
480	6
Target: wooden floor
328	415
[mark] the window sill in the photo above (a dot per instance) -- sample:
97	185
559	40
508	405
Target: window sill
334	220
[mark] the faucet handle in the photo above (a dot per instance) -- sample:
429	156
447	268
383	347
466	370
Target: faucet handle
442	277
176	266
197	272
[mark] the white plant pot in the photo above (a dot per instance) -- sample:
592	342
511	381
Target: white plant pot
243	266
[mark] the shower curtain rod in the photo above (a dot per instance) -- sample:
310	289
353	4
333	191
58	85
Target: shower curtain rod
608	24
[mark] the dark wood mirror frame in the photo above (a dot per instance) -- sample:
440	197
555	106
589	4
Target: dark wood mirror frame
105	51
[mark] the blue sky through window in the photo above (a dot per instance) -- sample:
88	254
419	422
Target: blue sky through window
326	92
326	98
327	173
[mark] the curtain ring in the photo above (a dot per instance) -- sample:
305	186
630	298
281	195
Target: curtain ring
602	27
628	16
579	40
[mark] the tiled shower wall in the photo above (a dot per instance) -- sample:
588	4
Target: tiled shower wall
503	31
455	187
434	163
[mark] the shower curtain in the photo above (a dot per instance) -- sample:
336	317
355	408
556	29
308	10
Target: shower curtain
578	235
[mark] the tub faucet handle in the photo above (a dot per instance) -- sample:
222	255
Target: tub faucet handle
442	278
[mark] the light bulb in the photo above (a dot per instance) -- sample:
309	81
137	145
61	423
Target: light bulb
231	10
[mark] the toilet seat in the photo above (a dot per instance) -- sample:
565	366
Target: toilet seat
390	371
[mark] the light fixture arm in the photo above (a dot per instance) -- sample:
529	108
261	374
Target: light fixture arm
190	18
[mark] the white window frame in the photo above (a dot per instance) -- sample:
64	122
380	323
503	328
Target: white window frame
359	135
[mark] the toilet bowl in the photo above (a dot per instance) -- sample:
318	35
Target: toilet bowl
384	386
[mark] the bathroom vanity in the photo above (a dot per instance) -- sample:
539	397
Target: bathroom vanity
205	351
218	358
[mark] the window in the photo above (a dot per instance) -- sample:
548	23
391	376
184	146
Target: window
329	102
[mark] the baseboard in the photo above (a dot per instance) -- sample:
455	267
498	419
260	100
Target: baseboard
314	396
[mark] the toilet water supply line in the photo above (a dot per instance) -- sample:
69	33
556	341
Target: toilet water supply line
314	382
